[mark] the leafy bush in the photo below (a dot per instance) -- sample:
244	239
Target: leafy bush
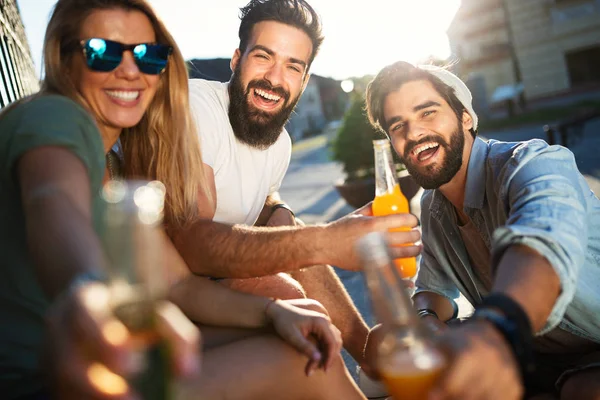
353	145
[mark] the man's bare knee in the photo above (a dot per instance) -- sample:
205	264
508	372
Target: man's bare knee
281	286
584	385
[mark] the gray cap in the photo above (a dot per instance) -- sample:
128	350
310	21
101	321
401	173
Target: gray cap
462	92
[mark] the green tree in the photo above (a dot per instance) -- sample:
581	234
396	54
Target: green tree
353	145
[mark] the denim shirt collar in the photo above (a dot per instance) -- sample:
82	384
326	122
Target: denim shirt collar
475	186
476	175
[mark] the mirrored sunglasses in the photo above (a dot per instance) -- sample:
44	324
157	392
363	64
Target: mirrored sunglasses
105	55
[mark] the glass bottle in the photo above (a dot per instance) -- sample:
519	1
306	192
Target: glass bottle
407	359
389	199
136	278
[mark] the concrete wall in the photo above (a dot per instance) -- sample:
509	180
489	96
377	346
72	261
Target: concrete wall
544	31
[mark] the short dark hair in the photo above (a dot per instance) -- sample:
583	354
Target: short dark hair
296	13
391	78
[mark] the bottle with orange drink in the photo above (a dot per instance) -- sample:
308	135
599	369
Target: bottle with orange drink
407	360
137	282
389	199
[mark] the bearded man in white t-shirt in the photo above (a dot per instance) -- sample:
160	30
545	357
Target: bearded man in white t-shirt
246	152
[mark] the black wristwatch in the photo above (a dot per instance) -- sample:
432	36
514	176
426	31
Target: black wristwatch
426	312
512	322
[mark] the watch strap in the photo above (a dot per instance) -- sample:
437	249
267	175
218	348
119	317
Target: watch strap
426	312
513	323
283	205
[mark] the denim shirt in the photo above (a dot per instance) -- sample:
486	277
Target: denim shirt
525	193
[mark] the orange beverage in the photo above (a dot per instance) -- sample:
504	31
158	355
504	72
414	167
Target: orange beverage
407	357
406	379
389	199
396	203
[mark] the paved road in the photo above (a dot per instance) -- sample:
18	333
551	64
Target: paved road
309	189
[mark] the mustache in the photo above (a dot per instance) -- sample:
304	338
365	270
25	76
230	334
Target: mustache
265	85
410	146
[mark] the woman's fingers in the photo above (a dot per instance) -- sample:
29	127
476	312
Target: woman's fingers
84	352
182	336
308	348
101	336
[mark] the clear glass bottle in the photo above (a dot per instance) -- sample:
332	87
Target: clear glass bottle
132	244
407	358
389	199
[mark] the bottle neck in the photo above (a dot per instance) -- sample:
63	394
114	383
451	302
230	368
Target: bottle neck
390	299
385	170
396	308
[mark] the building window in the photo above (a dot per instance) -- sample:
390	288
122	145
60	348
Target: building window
566	10
583	66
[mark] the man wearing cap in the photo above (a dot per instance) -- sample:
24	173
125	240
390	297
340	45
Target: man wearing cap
514	227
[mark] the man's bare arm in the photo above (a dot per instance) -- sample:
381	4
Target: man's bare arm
214	249
433	301
267	210
524	275
529	279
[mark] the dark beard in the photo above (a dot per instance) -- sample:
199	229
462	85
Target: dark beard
254	127
438	176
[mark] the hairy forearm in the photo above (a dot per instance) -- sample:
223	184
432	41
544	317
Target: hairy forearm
433	301
210	303
220	250
529	279
61	240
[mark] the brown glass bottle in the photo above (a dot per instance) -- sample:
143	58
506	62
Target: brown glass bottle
132	245
407	359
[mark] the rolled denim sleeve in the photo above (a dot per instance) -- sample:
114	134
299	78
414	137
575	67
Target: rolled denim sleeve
547	213
432	278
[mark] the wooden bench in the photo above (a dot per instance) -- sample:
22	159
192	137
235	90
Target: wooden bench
571	125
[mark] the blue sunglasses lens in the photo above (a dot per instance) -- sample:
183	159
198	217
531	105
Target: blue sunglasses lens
151	58
102	55
105	55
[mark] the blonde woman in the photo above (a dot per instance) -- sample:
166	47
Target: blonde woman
114	72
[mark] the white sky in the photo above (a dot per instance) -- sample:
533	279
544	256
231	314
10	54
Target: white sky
361	36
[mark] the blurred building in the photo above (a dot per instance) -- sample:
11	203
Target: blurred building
308	118
322	100
544	49
17	73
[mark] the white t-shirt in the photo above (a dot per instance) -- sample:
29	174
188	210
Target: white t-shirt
244	175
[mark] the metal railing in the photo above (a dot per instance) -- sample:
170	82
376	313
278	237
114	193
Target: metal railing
569	127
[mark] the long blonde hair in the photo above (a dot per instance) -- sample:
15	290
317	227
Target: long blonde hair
164	145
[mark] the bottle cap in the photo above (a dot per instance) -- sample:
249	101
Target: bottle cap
381	143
